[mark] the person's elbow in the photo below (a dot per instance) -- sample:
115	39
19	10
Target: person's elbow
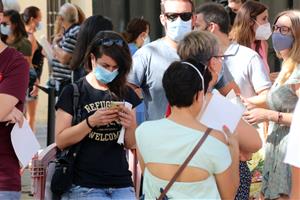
59	143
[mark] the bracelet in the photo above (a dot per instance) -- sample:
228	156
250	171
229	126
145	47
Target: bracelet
88	123
279	118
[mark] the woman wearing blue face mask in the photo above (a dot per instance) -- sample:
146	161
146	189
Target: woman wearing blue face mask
279	105
137	34
101	168
32	18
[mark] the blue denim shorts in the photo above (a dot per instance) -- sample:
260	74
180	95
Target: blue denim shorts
10	195
83	193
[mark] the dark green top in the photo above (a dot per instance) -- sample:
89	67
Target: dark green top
22	45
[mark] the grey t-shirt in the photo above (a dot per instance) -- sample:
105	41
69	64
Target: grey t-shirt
149	65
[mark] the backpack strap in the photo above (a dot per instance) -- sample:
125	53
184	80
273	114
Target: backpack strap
76	108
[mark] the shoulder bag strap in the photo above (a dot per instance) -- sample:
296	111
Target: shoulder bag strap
76	116
185	163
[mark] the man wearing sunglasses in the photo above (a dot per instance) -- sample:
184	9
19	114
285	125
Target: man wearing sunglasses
14	79
244	64
151	61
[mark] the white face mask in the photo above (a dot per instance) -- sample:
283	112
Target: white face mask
177	29
202	80
146	40
263	32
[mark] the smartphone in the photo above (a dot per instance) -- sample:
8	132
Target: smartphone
116	104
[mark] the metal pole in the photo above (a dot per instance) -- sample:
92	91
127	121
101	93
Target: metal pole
51	112
51	91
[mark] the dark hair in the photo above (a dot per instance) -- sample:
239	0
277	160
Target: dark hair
118	52
216	13
134	28
1	6
162	5
19	27
90	27
181	82
30	12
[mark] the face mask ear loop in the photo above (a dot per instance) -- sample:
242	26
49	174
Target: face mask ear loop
202	80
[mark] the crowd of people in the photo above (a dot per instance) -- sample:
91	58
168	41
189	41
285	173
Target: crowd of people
145	98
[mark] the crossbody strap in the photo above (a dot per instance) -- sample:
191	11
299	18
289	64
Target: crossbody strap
185	163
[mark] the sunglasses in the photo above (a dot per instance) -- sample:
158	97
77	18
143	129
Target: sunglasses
183	16
110	42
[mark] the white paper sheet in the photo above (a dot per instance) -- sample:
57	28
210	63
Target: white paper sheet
235	99
24	143
47	47
122	132
219	112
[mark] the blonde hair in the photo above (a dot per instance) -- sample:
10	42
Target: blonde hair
290	64
198	45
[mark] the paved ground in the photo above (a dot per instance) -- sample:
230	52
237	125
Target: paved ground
42	137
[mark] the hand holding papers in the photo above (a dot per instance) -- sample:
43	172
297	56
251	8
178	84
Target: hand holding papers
221	111
24	143
47	47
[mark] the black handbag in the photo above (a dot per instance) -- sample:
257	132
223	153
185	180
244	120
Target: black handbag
64	163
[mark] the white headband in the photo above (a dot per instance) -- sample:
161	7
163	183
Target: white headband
199	73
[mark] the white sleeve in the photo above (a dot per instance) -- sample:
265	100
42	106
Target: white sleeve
258	74
293	147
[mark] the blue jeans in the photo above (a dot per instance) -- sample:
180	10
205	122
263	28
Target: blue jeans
83	193
10	195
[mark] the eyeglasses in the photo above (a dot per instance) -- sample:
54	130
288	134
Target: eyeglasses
222	57
109	42
282	29
184	16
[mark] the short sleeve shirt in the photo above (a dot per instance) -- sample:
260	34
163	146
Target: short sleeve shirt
14	78
23	45
247	69
164	141
149	64
60	71
101	161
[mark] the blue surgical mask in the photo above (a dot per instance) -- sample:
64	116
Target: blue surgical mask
39	26
176	30
5	29
146	40
281	42
105	76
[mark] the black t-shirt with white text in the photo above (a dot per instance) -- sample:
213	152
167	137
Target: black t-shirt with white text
101	161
